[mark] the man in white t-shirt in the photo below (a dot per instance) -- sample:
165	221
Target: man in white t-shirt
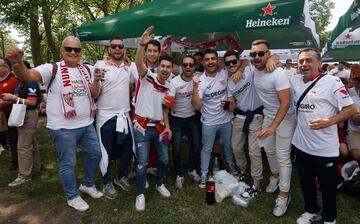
246	124
151	119
353	136
113	122
183	120
341	71
210	94
273	89
289	70
315	139
70	115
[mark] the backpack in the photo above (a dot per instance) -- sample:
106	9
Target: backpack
54	72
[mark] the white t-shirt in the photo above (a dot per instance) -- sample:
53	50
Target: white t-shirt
114	97
290	72
54	112
212	90
267	85
182	90
356	98
324	100
341	74
150	97
245	93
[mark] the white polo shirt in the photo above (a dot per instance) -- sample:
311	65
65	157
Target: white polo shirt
324	100
182	90
356	98
211	91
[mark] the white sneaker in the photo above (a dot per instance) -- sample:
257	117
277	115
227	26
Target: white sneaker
203	180
163	191
140	203
179	182
281	205
273	185
308	218
18	181
92	191
333	222
146	185
194	176
78	204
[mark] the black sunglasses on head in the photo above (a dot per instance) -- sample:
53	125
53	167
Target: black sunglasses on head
70	49
259	53
232	62
114	46
185	65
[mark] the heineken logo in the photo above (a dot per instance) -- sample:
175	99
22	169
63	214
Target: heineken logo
269	10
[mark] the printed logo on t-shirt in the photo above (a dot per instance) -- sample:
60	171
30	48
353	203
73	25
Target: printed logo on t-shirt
242	89
79	88
344	92
31	90
215	94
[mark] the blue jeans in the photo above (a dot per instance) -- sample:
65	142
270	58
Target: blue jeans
142	153
122	151
208	138
190	127
66	141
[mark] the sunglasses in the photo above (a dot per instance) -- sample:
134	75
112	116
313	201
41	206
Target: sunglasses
185	65
114	46
259	53
232	62
70	49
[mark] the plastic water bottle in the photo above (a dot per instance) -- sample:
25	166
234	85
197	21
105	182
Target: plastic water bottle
210	191
216	167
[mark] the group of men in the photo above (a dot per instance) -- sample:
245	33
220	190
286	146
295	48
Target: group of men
255	103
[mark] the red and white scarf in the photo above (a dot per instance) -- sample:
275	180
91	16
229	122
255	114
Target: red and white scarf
66	92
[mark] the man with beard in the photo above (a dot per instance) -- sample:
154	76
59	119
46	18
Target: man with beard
273	89
70	115
211	96
151	119
113	122
184	121
322	102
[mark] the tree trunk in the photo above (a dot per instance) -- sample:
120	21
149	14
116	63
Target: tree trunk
35	36
49	37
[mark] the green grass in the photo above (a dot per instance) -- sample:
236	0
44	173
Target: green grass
184	206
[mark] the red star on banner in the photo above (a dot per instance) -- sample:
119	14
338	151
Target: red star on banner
268	10
348	36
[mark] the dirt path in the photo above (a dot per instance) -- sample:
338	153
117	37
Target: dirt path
19	210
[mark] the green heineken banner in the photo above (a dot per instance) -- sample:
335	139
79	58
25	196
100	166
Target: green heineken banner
344	41
285	24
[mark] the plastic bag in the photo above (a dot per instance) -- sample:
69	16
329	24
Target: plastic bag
227	185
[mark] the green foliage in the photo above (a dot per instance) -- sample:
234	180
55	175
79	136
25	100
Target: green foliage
320	11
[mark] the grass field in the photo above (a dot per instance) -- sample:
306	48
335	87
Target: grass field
184	206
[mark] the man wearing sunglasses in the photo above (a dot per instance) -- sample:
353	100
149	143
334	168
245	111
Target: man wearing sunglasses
316	140
290	71
184	121
70	115
273	89
210	94
113	122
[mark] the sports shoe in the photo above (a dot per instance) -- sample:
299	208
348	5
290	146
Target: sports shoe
242	176
146	185
109	191
18	181
194	176
78	204
308	218
273	184
281	205
140	203
232	169
245	198
333	222
203	179
163	191
123	183
92	191
179	182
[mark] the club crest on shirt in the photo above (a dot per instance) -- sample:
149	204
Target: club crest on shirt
32	90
